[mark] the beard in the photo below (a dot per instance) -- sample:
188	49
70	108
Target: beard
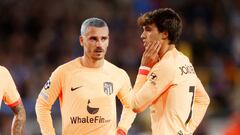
98	56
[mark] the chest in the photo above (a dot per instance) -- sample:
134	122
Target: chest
91	85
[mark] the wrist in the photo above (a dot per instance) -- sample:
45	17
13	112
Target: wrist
144	70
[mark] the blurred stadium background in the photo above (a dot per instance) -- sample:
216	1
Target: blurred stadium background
38	36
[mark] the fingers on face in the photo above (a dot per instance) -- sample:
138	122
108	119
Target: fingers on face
158	46
153	47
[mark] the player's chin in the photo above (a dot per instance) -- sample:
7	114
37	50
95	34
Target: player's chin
98	57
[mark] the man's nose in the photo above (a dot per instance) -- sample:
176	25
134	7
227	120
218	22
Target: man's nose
143	35
99	43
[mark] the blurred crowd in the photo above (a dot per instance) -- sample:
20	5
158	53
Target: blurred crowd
38	36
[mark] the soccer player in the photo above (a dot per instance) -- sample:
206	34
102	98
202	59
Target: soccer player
86	88
167	82
11	97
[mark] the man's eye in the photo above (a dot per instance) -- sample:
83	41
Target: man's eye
104	38
93	39
148	29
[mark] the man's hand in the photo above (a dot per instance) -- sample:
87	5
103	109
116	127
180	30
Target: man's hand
150	56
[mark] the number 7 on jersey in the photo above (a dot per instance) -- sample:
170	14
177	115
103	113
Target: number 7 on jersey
191	90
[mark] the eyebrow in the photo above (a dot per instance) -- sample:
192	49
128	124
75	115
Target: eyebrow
95	37
104	36
147	27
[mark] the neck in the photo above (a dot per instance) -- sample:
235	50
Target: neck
165	48
91	63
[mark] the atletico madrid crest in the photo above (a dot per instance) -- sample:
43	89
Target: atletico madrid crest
108	88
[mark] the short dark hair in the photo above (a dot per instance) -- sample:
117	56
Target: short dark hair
95	22
166	19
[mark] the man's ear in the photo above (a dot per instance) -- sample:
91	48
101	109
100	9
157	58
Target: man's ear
81	40
165	35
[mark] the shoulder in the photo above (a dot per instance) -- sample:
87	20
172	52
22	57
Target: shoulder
5	76
110	66
4	70
69	65
172	61
66	67
166	68
114	69
165	64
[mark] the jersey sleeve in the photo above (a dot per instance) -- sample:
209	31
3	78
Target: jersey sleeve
127	116
159	79
46	99
140	80
200	104
11	96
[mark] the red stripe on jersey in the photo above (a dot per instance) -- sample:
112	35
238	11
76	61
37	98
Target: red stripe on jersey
120	132
15	103
143	71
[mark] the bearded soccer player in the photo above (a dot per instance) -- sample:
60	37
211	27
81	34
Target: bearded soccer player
167	82
86	88
11	97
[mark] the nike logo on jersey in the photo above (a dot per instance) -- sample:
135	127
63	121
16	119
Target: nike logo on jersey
73	89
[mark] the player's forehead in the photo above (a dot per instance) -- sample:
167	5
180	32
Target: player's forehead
149	26
96	31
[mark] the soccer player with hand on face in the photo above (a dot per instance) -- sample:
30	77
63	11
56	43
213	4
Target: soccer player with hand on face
167	82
